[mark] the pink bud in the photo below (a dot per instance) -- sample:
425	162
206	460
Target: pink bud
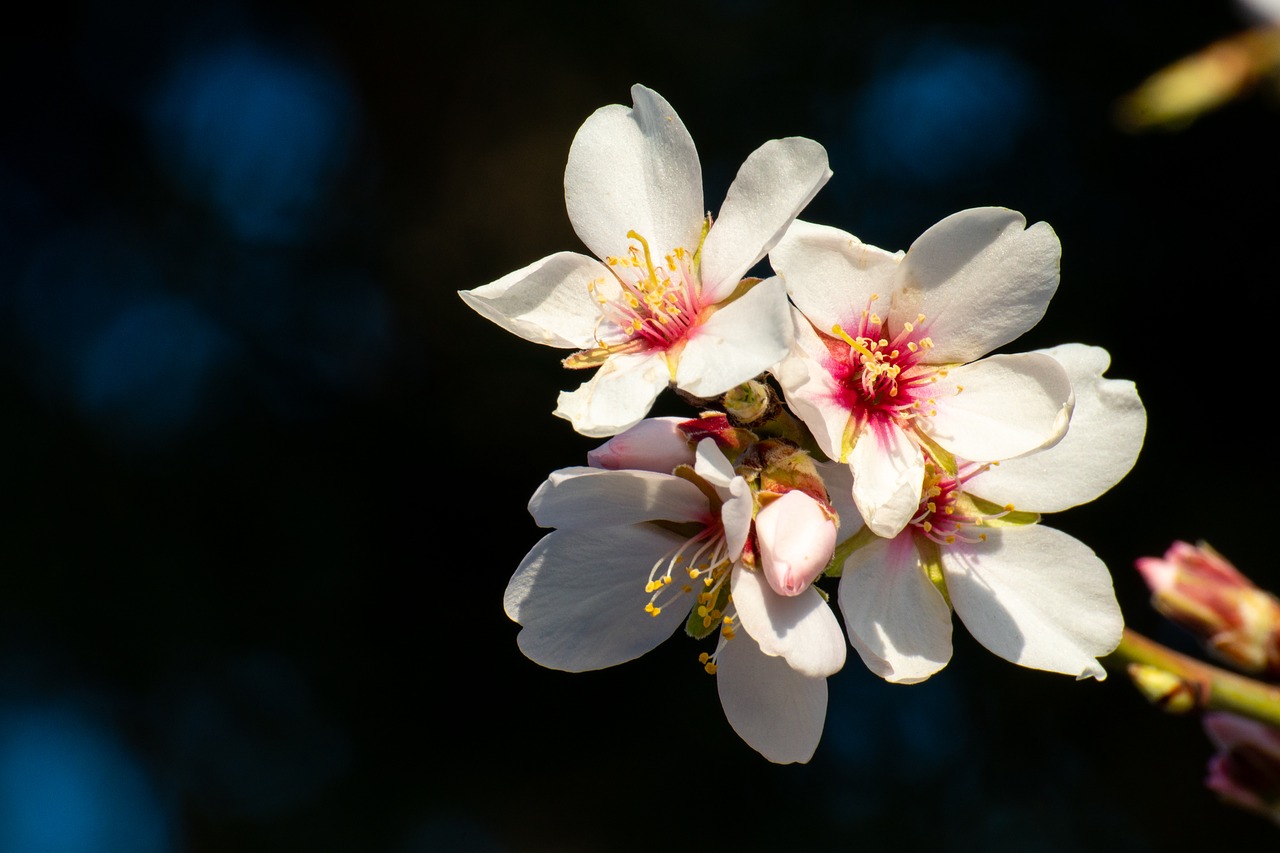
1196	588
654	444
796	538
1245	771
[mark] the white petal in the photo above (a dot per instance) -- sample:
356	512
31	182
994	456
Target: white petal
654	444
897	620
547	302
776	710
888	477
1107	428
1009	405
738	342
772	187
592	497
634	169
712	465
811	392
738	504
800	628
1037	597
617	396
831	275
979	279
580	595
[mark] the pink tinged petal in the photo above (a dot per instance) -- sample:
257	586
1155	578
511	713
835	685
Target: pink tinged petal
616	397
1245	771
811	392
736	343
888	477
1002	407
580	597
1037	597
1230	731
831	275
797	539
771	188
591	497
547	302
802	628
1102	443
777	711
634	169
898	621
654	444
980	279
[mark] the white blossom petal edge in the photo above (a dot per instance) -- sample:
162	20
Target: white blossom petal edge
668	281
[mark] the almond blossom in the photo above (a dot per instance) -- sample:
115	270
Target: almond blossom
666	304
886	368
636	554
1031	594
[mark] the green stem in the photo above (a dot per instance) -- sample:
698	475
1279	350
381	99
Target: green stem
1216	689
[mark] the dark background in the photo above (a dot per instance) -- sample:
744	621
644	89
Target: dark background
266	475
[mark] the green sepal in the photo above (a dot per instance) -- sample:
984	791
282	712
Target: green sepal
943	457
845	549
994	515
694	626
931	564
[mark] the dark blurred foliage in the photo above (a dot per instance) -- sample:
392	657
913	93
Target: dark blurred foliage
267	475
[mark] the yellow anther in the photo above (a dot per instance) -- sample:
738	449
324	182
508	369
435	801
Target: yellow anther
710	668
655	611
704	657
686	588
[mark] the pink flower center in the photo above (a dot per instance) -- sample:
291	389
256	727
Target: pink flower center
659	302
946	514
881	371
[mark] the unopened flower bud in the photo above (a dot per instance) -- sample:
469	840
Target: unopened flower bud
1245	771
796	537
1163	689
654	444
1196	588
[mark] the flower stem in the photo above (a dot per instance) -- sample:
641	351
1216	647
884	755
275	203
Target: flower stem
1215	689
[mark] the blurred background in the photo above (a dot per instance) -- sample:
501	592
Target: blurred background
266	475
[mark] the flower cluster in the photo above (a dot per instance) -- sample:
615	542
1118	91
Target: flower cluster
855	425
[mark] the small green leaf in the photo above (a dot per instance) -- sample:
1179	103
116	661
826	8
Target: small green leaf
699	625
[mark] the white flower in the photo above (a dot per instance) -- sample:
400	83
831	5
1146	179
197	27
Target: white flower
667	304
1032	595
887	385
636	554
